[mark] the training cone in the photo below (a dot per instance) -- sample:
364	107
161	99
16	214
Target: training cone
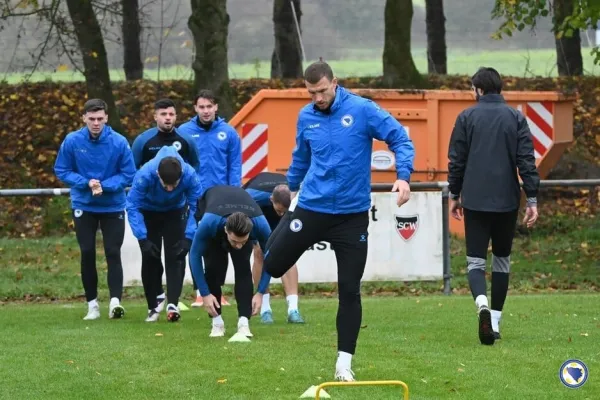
311	393
182	307
238	337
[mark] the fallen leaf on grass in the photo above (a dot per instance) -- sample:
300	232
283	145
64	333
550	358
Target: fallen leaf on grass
98	373
158	334
461	370
222	380
585	334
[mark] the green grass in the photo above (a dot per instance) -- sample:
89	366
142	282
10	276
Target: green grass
560	253
428	342
362	63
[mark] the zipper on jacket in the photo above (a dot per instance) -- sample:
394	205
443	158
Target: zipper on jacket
333	205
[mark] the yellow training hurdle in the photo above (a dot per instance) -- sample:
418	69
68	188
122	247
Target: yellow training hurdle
362	383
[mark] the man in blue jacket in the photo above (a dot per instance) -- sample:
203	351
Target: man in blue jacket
229	220
97	164
157	207
271	193
147	144
219	148
334	141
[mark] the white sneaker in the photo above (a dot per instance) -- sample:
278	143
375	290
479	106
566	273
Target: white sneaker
152	316
173	314
344	375
161	304
217	331
93	313
115	310
244	329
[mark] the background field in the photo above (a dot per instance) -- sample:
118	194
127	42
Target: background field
428	342
523	63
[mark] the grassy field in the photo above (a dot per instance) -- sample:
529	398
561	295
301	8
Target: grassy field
508	62
430	343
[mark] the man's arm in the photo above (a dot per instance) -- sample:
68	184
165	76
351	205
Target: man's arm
234	160
137	149
194	157
126	173
458	152
63	167
526	162
262	231
194	192
386	128
300	159
206	230
138	192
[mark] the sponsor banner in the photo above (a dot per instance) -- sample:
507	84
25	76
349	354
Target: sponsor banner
405	244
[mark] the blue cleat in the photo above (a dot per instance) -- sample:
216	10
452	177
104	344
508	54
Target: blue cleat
294	317
266	317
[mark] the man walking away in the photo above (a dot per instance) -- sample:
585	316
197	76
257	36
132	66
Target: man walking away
97	164
490	142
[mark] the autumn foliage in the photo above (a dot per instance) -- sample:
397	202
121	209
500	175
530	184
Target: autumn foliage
36	117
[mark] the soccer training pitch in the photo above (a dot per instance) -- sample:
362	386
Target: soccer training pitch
428	342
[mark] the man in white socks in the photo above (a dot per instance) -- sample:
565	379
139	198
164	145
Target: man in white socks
271	193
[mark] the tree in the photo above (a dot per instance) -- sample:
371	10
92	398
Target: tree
93	52
131	28
436	37
286	61
568	17
209	24
398	66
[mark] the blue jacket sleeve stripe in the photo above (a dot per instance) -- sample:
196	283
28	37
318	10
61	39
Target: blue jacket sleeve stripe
63	167
386	128
206	231
300	159
262	231
134	216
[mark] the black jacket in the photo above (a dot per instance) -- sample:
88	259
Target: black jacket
489	142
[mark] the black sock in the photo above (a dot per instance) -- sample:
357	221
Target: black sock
477	282
499	289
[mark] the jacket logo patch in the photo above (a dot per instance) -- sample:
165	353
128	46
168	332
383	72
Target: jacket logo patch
296	225
78	213
313	126
406	226
177	145
222	135
347	120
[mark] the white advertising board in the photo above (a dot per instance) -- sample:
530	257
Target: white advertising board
405	244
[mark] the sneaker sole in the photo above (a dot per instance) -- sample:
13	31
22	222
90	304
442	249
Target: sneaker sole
173	316
118	312
486	333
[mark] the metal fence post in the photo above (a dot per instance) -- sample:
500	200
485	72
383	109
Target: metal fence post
446	240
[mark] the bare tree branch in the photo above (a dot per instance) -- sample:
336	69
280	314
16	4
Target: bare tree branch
54	10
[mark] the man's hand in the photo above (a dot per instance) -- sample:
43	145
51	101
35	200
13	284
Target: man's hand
211	304
456	209
96	187
182	248
403	189
531	215
150	249
257	300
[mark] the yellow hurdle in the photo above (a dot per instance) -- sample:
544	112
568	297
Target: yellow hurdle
362	383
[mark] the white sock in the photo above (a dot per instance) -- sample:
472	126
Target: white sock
292	301
171	306
198	293
114	302
344	360
218	320
243	321
161	296
496	317
266	304
481	300
93	303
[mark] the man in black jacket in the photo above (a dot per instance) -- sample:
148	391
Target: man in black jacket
489	143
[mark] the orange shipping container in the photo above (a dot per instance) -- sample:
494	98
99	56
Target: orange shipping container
267	125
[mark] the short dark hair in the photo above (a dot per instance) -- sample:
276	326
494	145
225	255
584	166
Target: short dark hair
93	105
281	195
163	103
239	224
169	170
488	80
206	94
316	71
